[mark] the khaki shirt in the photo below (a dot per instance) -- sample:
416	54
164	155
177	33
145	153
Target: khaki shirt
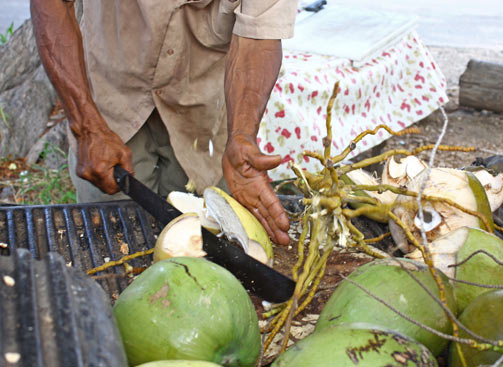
170	55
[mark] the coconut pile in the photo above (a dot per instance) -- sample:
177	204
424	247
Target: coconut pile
187	311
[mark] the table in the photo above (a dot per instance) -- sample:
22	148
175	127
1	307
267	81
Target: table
397	87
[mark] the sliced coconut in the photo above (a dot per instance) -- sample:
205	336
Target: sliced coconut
189	203
181	237
456	185
237	223
493	185
444	250
401	173
361	177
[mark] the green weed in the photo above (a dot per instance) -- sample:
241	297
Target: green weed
4	37
4	117
43	186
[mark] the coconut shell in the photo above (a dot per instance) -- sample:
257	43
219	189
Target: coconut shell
480	268
360	177
237	222
388	281
356	345
175	363
181	237
458	186
189	309
484	317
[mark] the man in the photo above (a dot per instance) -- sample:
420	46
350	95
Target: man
144	87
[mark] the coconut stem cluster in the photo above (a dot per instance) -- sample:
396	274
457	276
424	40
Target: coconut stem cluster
327	221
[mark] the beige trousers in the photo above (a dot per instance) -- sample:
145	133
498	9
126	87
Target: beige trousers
154	162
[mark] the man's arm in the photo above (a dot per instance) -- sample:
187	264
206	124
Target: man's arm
251	72
60	47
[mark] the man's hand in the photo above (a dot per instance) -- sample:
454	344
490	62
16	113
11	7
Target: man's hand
98	152
245	169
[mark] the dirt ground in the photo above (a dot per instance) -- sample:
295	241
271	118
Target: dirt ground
467	127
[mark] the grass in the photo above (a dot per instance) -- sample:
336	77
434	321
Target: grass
37	184
4	37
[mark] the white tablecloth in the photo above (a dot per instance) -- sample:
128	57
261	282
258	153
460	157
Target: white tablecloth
398	87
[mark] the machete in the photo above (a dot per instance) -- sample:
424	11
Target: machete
256	277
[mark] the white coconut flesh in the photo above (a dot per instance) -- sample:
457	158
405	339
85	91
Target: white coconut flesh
400	173
493	185
446	183
189	203
361	177
181	237
444	249
222	212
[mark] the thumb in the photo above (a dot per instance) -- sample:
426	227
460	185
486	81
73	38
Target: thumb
264	162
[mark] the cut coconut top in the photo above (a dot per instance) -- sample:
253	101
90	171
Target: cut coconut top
189	203
400	173
493	186
181	237
238	223
361	177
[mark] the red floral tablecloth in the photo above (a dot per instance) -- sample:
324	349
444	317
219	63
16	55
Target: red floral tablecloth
397	88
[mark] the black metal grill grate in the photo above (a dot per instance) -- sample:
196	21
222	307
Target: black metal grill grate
86	235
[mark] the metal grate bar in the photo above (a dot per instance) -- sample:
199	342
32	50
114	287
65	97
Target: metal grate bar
12	230
31	234
91	238
50	229
85	235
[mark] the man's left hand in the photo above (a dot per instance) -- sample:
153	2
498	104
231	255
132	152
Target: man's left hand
245	170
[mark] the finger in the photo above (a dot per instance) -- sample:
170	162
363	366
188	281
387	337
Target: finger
127	161
264	162
258	213
278	236
104	178
274	208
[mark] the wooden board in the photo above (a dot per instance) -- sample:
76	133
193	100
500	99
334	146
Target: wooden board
481	86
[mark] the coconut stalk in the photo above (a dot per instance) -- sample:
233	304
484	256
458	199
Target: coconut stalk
326	199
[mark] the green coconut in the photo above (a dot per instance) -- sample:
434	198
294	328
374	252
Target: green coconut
459	245
179	364
388	281
188	309
484	317
356	345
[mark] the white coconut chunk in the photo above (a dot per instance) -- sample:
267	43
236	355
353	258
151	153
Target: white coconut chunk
400	173
256	251
444	249
361	177
493	185
181	237
189	203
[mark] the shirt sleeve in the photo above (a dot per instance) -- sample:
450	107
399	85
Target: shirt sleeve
265	19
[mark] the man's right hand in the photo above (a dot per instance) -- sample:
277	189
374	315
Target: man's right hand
98	152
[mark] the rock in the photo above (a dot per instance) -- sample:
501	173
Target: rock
26	107
55	145
26	94
18	57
